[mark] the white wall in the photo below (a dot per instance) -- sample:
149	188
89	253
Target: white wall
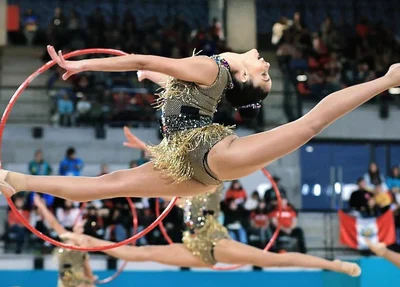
3	22
365	123
241	26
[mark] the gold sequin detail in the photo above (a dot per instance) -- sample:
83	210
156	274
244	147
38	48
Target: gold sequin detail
71	267
202	242
201	218
176	155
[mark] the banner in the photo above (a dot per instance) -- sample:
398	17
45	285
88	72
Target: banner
353	231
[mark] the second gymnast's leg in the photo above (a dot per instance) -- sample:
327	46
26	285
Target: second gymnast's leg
232	252
142	181
234	157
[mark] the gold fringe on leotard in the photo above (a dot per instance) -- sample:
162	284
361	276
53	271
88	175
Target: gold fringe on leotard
171	156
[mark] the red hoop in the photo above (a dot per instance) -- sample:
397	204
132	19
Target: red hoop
267	247
4	118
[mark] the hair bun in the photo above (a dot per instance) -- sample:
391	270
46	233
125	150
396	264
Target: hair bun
248	113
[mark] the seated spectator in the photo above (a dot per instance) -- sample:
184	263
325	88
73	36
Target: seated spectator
116	231
71	165
94	225
374	178
233	219
30	23
270	198
253	201
68	214
65	111
393	180
259	230
39	166
83	110
236	192
288	224
359	199
383	198
16	230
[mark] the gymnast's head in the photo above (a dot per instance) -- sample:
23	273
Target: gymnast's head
251	82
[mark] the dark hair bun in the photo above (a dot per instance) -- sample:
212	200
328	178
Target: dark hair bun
248	113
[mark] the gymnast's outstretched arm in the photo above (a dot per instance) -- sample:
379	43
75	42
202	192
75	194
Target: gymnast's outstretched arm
200	70
48	216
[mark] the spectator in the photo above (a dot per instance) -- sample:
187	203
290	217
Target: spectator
116	230
71	165
94	223
259	231
16	230
393	180
65	110
374	178
83	109
68	215
359	199
30	26
236	192
234	214
288	223
253	201
39	166
270	198
278	29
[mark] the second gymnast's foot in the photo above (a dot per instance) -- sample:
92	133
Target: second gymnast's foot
349	268
5	188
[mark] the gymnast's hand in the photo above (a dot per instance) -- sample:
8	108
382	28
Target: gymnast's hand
71	67
133	141
394	74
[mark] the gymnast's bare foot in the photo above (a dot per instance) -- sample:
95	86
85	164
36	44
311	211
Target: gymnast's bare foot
5	188
349	268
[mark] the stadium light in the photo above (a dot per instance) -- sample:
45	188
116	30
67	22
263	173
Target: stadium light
317	190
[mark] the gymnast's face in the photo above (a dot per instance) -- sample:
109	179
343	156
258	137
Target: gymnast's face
256	70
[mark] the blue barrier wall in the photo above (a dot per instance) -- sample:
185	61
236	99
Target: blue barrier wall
376	272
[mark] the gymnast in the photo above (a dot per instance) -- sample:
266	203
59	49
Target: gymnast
196	155
74	267
206	242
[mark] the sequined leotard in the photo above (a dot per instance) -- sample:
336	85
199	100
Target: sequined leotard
71	268
188	131
203	229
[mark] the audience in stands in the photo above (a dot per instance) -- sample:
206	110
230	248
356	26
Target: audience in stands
374	179
68	214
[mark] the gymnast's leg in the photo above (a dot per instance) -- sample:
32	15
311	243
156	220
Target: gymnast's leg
232	252
174	254
142	181
234	157
381	250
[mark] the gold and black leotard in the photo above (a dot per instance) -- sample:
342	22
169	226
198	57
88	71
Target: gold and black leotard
187	128
203	229
71	268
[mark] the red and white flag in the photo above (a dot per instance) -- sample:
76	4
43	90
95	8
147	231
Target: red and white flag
353	231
